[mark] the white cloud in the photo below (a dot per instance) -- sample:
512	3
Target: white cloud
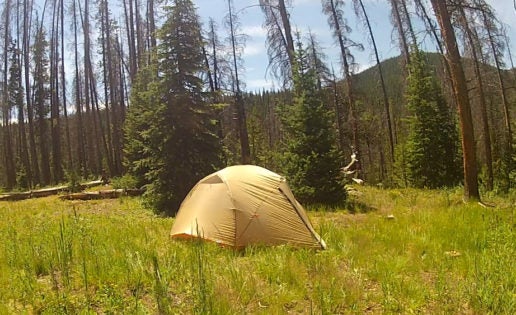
258	84
300	2
254	31
254	49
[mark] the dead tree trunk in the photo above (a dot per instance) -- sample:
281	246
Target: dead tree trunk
461	95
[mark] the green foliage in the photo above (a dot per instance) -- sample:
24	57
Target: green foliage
21	176
127	181
311	161
74	181
431	154
170	130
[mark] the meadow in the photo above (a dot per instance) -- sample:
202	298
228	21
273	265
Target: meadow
389	251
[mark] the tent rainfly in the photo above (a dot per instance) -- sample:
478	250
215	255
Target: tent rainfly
243	205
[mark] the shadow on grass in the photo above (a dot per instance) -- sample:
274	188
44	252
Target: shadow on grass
351	205
355	206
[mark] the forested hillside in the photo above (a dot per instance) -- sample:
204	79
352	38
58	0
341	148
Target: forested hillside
145	91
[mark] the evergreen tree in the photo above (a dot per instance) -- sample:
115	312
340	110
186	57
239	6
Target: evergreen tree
311	160
16	101
431	152
170	137
41	91
140	117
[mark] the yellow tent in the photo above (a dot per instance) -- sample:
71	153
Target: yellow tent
242	205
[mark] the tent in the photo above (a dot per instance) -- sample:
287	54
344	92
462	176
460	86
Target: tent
242	205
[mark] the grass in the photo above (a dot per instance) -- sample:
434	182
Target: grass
411	251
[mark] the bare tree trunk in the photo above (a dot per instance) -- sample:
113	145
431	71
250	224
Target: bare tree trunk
382	81
288	31
151	26
63	91
10	167
408	21
208	72
430	26
338	112
501	81
92	134
27	22
239	102
140	47
279	38
89	127
106	73
215	58
131	38
348	83
461	95
81	146
99	127
55	119
398	24
473	39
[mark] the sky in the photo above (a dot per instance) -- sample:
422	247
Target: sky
307	15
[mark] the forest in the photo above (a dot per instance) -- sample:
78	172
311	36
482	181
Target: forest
143	93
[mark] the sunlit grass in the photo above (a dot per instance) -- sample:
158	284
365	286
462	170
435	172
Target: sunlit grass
401	251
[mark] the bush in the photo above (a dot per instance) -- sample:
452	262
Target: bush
125	182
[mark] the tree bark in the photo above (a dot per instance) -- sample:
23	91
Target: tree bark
63	91
473	39
382	81
288	31
239	102
27	22
55	117
348	83
398	23
461	95
505	103
81	146
9	165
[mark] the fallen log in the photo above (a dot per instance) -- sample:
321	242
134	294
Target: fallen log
102	194
15	196
92	183
45	192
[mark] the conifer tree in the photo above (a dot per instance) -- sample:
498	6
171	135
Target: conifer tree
431	153
171	142
312	161
41	101
16	101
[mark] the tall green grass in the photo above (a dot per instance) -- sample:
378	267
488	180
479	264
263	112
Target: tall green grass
401	251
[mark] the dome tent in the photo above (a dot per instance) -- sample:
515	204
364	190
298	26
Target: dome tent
243	205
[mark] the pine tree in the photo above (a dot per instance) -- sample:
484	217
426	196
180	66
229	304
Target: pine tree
41	102
311	161
145	97
170	137
431	152
15	95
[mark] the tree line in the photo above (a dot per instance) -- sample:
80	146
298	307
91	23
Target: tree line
142	88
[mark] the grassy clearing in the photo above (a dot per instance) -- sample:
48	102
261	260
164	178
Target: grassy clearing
412	251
